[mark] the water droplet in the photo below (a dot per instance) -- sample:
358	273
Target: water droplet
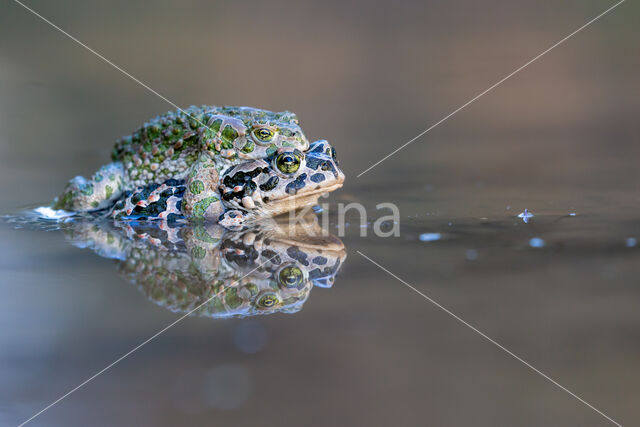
430	237
525	215
536	242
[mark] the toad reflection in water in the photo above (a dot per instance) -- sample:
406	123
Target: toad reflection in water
261	270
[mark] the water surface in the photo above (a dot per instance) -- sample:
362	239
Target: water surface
559	138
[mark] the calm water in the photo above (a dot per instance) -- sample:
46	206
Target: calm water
559	139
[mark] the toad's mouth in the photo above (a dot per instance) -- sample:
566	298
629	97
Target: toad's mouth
285	203
304	193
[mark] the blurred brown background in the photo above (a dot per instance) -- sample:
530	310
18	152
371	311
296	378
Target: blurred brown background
561	136
366	76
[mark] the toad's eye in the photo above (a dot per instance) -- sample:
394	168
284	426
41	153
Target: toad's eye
263	134
290	277
268	300
288	162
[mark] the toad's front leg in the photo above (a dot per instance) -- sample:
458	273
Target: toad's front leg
201	197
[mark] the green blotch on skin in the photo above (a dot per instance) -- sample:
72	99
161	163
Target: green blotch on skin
191	159
196	187
112	177
65	201
110	239
94	204
200	233
249	146
289	301
108	191
198	252
218	286
253	289
87	190
218	305
232	299
201	207
215	126
272	149
229	134
98	177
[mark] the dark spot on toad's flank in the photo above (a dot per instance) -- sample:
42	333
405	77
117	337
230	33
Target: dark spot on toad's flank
270	184
293	187
272	256
298	255
241	179
154	209
238	253
320	260
317	177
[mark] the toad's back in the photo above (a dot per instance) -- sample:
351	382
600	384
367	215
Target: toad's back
168	145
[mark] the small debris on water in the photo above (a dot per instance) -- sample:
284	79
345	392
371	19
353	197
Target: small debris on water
430	237
631	242
536	242
471	254
572	214
525	216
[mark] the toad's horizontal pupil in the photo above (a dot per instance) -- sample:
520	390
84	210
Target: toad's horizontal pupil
264	133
